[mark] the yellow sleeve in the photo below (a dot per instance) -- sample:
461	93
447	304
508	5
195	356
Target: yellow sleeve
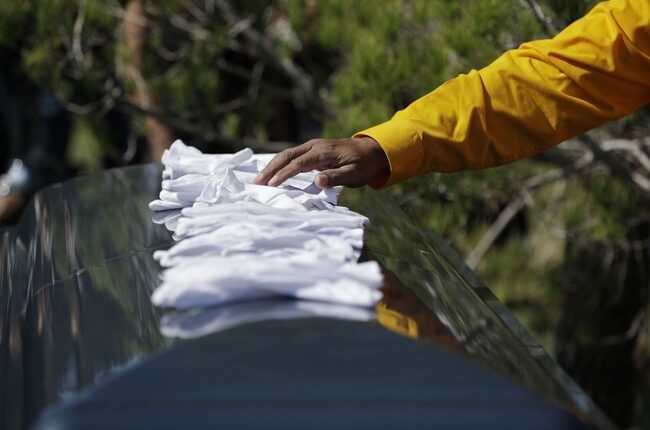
530	98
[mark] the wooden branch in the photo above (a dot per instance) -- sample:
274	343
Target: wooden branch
495	230
562	155
207	133
265	51
617	167
626	336
195	11
127	16
241	72
255	81
535	182
175	122
133	36
546	22
196	32
103	105
519	202
77	51
595	151
172	56
631	148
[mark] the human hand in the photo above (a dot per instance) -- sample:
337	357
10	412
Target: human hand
353	162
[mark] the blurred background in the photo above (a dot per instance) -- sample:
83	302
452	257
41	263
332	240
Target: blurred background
562	238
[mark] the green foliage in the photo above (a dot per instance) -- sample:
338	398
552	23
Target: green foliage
45	44
391	54
600	206
84	59
483	30
85	143
404	49
14	22
568	11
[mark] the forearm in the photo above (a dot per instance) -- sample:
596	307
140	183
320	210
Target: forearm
529	99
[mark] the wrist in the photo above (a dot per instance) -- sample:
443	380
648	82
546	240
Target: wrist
378	162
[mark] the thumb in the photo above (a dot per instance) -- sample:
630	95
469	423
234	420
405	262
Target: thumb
346	175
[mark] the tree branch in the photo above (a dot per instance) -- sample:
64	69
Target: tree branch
265	51
207	133
580	164
241	72
617	167
546	22
495	230
519	202
631	148
77	51
626	336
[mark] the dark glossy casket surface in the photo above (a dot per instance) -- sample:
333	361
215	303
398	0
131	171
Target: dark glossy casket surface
81	345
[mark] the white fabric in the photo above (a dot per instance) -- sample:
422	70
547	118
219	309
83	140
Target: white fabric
216	280
264	241
240	241
194	323
227	188
190	176
201	220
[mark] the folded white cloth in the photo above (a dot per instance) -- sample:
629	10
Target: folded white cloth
194	323
169	218
180	160
226	188
217	280
201	220
259	240
240	241
190	176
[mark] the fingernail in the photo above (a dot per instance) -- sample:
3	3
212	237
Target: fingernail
273	181
258	179
321	181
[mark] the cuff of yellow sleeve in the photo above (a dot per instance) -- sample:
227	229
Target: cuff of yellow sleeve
403	149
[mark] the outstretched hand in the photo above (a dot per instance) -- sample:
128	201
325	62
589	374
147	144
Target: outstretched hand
353	162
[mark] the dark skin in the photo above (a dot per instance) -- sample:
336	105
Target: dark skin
352	162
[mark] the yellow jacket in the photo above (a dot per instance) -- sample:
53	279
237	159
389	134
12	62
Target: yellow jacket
530	98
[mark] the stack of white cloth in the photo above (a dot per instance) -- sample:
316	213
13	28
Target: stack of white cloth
197	322
239	241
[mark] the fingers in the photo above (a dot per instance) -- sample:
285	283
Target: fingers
305	163
351	162
280	161
346	175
